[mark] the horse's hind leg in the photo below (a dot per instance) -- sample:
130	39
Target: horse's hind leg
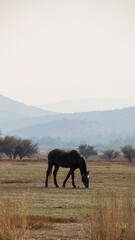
54	175
67	177
48	172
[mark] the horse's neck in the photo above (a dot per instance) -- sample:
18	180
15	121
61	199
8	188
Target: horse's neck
83	168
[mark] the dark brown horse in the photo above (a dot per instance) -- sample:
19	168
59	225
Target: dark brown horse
73	160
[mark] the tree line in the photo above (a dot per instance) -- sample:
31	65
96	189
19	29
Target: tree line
128	152
17	147
14	147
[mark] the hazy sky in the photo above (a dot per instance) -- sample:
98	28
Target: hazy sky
52	50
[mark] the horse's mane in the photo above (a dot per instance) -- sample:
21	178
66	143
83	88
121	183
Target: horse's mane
83	163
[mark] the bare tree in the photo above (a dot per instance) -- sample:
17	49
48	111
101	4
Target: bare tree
110	154
128	152
14	147
86	150
25	147
8	146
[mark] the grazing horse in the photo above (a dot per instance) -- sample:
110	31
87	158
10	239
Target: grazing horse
71	159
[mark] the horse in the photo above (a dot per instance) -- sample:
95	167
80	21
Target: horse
70	159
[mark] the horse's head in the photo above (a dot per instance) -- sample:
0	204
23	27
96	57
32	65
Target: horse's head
85	179
84	173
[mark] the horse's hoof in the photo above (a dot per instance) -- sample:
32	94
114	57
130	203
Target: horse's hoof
74	186
56	186
63	186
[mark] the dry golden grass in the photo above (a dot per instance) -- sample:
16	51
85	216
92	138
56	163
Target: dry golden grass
13	219
111	218
16	224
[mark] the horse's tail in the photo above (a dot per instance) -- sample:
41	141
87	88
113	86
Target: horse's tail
50	162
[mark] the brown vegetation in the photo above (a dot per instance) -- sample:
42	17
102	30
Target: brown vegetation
110	218
13	227
16	224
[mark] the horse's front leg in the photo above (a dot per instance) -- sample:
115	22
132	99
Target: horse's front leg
54	175
73	183
67	177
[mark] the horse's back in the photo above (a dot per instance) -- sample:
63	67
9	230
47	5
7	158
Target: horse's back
62	158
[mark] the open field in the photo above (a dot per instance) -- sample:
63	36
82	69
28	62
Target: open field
58	213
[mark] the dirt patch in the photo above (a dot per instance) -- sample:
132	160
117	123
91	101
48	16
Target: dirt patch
60	231
14	181
32	219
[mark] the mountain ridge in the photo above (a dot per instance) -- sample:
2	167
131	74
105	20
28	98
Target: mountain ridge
89	104
11	109
92	127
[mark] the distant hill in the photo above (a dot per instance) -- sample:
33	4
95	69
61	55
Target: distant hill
12	110
92	127
89	104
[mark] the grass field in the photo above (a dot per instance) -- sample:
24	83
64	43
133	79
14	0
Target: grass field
58	213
